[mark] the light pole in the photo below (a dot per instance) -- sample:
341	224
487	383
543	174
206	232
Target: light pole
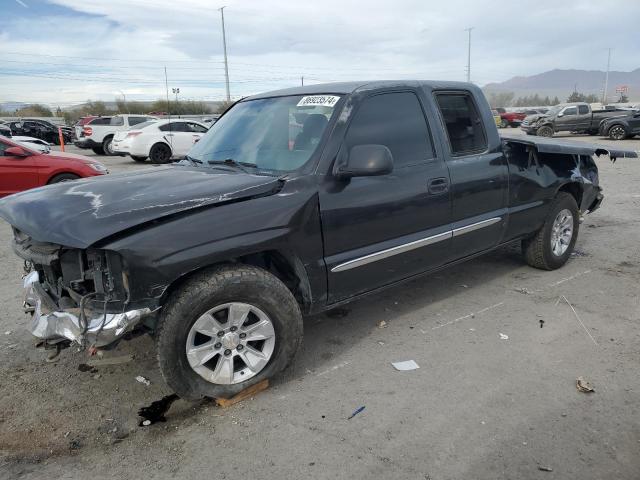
176	91
469	55
606	80
124	100
224	47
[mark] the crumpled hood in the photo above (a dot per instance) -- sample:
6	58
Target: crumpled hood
80	213
535	118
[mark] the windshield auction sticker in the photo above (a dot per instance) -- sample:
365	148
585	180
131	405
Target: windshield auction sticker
318	101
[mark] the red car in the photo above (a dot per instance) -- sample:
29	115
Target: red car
22	167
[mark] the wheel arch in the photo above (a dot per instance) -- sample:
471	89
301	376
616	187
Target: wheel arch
57	173
617	124
575	189
161	141
287	267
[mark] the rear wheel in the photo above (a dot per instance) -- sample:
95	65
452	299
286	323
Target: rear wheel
160	153
138	159
226	329
63	177
107	145
617	132
504	123
551	246
545	131
98	150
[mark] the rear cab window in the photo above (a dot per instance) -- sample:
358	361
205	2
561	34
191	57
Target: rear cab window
465	129
583	109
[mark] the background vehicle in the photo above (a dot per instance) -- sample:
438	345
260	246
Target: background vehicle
41	129
5	129
263	223
515	118
81	123
35	143
97	135
619	128
160	141
23	167
567	117
497	119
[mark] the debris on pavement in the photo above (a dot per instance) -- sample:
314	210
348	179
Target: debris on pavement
583	386
523	290
357	411
578	318
103	361
156	411
503	336
141	379
405	366
8	332
541	323
381	343
545	469
382	324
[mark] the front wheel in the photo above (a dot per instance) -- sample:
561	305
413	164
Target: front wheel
504	123
551	246
63	177
226	329
107	146
545	131
138	159
617	132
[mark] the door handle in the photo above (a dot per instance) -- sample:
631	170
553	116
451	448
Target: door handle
438	185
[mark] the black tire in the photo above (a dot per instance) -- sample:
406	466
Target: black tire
63	177
504	123
107	145
211	288
514	125
545	131
160	153
537	249
138	159
617	132
98	150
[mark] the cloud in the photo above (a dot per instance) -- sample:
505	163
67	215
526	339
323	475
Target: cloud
124	45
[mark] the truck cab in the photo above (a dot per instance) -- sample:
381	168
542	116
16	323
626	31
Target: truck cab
294	202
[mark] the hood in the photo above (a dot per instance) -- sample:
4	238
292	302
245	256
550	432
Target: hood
80	213
534	118
71	156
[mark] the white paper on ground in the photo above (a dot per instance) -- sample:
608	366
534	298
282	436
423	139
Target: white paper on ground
406	365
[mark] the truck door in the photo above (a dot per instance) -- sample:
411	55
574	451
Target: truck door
479	174
567	120
585	118
378	230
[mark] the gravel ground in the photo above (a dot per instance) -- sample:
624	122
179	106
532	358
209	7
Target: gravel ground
481	406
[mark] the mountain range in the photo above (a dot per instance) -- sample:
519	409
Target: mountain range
561	83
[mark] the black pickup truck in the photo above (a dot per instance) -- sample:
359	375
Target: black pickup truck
567	117
295	201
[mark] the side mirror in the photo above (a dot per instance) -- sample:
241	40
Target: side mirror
364	161
561	114
16	152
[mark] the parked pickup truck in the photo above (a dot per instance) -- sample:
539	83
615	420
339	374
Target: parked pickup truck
98	135
221	254
567	117
514	119
619	128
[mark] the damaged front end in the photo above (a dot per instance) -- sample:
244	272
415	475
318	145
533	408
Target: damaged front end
74	294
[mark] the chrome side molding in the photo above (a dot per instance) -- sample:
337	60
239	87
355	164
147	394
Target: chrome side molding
423	242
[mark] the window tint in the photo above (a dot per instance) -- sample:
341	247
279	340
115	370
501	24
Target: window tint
175	127
464	125
570	111
136	120
583	109
116	121
100	121
396	121
194	127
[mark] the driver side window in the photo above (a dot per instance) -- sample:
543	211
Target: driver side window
570	111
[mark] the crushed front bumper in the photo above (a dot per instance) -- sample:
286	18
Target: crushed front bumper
101	328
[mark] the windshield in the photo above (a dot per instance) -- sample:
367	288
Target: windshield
278	134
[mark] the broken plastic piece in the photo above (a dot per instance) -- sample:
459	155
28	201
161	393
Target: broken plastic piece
382	324
545	469
358	410
583	386
141	379
405	366
503	336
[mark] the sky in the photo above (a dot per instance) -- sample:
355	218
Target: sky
63	52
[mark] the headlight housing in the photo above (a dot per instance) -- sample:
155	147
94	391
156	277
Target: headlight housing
98	167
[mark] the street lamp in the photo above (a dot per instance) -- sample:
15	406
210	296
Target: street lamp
176	91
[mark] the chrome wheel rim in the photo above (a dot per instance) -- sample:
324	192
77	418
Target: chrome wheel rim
561	232
617	132
230	343
109	147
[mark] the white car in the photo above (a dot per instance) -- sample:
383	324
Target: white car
98	134
160	141
32	142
